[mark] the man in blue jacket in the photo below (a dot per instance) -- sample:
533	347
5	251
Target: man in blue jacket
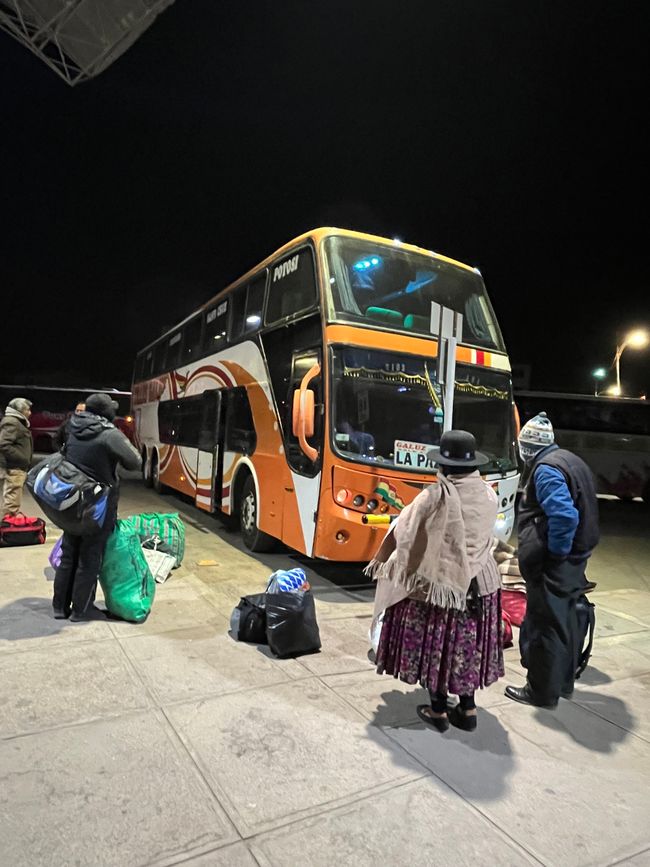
557	529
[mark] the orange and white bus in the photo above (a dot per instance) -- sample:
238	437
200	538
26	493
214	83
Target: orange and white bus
305	396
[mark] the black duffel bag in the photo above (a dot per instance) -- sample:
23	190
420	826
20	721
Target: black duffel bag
291	626
586	615
248	620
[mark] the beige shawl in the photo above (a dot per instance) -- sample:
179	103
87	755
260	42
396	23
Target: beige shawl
439	543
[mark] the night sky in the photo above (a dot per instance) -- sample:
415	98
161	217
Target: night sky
507	134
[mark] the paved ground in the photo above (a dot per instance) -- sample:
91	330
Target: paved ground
169	743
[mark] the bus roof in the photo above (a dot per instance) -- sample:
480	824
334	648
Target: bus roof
563	395
63	388
316	235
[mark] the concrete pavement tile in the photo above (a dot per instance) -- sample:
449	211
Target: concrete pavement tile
387	701
238	855
608	624
618	657
633	603
170	614
345	647
528	770
338	605
398	827
640	860
27	624
204	661
61	685
625	703
285	751
115	793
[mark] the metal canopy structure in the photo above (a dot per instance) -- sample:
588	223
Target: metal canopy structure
78	39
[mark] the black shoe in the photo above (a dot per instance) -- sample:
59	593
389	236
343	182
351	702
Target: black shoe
589	586
91	613
567	692
439	723
523	695
460	720
60	613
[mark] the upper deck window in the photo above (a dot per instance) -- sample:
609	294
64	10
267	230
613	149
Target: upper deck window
292	286
391	287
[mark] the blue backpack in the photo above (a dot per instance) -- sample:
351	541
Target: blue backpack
70	498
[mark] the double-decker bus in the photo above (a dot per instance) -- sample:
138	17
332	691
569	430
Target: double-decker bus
305	395
52	405
611	434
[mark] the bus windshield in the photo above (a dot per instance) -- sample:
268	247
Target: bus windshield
388	410
385	285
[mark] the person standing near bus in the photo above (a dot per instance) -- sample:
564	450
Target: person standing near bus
95	446
16	449
439	588
61	436
557	529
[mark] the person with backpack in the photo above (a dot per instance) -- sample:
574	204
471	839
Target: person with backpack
16	449
95	446
557	530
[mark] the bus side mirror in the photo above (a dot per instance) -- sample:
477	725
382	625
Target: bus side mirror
304	412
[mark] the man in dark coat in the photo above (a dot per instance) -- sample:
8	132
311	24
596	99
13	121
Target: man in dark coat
16	450
557	530
96	446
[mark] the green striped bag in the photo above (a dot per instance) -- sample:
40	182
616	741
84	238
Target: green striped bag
128	585
165	532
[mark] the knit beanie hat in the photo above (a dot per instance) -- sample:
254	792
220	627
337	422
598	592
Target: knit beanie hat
536	434
102	404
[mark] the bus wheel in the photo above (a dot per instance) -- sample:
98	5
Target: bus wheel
254	538
146	469
157	485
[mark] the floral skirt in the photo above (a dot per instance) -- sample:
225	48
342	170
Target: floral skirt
444	650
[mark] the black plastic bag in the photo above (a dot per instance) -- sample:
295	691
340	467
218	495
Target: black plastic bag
252	619
291	627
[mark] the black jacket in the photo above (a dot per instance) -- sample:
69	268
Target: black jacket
16	445
96	446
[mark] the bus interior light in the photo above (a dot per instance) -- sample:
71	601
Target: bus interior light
253	320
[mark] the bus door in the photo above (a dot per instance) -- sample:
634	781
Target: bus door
209	461
304	444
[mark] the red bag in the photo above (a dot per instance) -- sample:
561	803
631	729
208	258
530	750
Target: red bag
513	603
507	630
18	530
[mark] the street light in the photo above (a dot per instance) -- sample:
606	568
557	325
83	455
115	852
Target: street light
599	374
637	340
614	390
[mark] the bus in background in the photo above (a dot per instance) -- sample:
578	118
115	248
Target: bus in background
51	406
611	434
304	396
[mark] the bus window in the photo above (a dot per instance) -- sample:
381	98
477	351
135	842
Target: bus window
292	288
173	353
158	361
237	311
216	326
138	373
254	304
192	340
147	368
240	429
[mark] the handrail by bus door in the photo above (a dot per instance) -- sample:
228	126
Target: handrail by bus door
300	413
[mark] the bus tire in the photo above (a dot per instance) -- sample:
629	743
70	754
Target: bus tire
156	484
254	539
146	470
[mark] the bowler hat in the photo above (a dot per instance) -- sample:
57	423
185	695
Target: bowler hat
457	449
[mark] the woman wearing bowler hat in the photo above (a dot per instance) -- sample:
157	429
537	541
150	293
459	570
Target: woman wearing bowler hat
439	588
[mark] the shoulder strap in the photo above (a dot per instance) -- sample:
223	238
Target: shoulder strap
586	653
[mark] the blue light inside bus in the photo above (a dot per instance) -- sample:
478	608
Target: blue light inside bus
364	264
